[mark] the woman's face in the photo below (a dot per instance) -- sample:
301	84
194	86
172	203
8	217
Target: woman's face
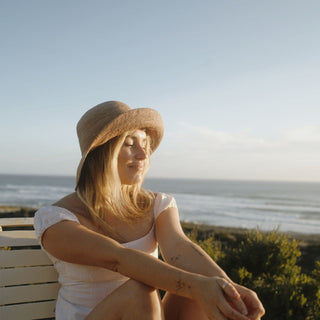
133	158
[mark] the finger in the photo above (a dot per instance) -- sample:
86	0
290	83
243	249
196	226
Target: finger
256	314
228	288
256	308
217	315
228	311
240	306
259	311
234	295
231	313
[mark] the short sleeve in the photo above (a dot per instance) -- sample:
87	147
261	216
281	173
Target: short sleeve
48	216
162	202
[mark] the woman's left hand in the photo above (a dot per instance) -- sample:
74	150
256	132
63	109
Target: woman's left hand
252	302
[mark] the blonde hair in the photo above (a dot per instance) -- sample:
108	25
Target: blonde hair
101	190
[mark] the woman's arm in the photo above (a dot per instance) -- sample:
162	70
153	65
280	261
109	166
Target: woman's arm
72	242
181	252
178	250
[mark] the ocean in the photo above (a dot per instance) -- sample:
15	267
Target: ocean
286	206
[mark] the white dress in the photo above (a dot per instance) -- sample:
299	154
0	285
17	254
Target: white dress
83	287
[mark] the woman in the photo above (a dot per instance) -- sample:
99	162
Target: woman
103	238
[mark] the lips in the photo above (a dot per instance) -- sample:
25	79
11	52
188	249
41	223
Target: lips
138	166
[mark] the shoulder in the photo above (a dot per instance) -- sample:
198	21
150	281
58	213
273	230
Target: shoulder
50	215
64	209
163	202
168	229
71	202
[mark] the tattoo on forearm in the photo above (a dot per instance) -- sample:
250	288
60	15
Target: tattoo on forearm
114	267
174	259
195	248
180	285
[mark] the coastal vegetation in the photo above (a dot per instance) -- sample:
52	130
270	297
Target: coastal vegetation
283	269
270	263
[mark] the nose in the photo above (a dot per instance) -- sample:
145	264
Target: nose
141	153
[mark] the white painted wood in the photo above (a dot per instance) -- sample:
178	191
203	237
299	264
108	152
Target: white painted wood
9	295
17	276
25	275
38	310
18	238
16	222
28	257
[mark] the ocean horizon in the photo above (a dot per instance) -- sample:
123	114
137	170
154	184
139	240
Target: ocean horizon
267	205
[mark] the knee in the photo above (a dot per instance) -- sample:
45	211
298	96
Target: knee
177	307
147	304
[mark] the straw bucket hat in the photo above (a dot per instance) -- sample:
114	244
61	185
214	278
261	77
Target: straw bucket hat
110	119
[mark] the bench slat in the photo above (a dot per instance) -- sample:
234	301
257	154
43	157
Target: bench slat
17	276
28	257
18	238
16	222
21	270
38	310
27	293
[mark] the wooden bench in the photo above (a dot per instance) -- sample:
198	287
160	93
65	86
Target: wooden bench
28	280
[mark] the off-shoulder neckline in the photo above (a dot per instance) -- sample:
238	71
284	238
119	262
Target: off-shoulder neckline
122	243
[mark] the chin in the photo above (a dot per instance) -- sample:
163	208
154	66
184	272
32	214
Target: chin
134	180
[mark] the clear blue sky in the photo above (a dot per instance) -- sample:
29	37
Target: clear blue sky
237	83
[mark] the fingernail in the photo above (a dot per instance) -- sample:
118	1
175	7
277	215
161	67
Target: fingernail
236	295
244	311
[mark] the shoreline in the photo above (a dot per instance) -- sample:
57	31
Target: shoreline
12	211
309	244
7	211
207	228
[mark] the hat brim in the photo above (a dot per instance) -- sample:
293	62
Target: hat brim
133	119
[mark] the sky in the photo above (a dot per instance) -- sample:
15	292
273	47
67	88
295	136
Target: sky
236	82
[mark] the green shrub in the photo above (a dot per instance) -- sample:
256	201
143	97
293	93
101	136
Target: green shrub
210	245
264	254
267	263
